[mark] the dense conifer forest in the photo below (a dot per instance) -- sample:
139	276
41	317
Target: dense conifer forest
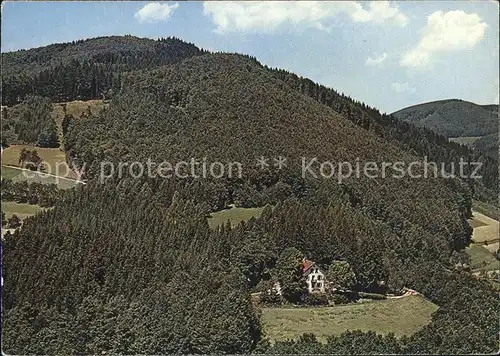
30	122
129	265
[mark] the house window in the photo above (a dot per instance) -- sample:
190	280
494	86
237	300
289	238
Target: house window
319	277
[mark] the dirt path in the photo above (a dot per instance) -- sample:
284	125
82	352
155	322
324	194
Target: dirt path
406	294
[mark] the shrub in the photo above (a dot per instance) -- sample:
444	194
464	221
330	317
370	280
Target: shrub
339	298
374	296
270	298
315	299
14	222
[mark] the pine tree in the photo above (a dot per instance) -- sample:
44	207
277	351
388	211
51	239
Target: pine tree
13	222
288	273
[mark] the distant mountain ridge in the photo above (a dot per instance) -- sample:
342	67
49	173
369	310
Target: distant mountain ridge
453	117
491	107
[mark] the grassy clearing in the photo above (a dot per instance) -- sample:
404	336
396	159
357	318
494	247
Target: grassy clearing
21	210
402	316
487	229
75	108
235	215
19	175
9	172
5	230
54	158
495	284
467	141
475	223
481	259
38	177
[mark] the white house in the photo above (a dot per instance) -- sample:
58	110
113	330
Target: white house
315	278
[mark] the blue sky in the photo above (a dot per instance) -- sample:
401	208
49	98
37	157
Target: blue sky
388	54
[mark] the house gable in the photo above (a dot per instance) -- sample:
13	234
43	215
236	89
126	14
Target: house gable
315	278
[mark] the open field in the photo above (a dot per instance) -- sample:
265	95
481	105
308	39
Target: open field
485	229
9	172
19	175
403	316
467	141
53	157
21	210
4	231
481	259
475	223
235	215
75	108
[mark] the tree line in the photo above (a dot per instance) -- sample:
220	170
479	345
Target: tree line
34	193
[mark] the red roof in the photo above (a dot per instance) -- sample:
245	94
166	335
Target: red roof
306	265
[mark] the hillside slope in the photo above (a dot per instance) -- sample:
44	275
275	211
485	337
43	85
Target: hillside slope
230	108
453	118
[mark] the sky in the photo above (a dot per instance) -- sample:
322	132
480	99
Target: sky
388	54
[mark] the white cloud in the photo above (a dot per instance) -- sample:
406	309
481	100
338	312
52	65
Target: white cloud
403	88
377	61
155	12
445	32
379	12
267	15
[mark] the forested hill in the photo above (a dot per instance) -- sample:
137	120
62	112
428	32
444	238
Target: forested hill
229	108
419	140
84	69
453	118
